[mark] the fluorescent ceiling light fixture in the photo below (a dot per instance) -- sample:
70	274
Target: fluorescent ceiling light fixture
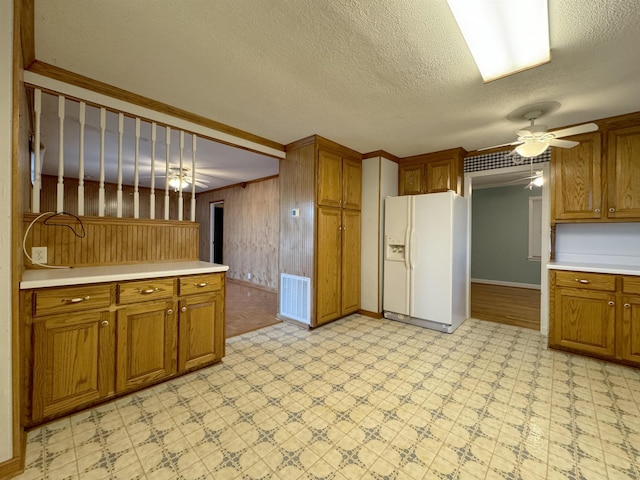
504	36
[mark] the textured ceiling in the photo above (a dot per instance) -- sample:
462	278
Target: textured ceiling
369	74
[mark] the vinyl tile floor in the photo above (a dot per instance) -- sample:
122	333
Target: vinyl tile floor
363	398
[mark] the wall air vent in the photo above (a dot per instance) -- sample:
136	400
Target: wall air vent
295	297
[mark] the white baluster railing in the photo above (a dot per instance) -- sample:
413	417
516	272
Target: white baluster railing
81	118
101	194
37	179
136	193
166	178
120	135
60	187
193	179
152	194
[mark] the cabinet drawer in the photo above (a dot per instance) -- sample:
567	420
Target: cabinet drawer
200	284
592	281
72	299
631	285
140	291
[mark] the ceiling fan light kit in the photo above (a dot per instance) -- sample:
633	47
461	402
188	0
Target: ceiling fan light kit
498	43
536	139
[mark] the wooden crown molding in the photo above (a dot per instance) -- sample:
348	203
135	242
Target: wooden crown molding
81	81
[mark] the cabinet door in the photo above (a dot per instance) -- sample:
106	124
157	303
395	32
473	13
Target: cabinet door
329	179
584	320
350	261
352	184
328	265
629	341
146	344
410	179
576	186
201	330
440	176
73	362
624	173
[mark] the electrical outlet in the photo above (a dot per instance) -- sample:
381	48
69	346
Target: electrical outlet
249	275
39	255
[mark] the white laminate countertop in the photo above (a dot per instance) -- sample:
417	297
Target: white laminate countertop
595	268
57	277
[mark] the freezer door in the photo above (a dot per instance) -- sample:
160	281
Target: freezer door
396	272
431	258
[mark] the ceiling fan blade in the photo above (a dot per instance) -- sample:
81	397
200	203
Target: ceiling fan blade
565	132
201	185
563	143
524	133
498	146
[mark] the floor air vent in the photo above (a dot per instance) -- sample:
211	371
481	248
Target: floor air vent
295	297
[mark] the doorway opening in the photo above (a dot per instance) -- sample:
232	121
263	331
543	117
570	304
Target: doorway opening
216	233
500	289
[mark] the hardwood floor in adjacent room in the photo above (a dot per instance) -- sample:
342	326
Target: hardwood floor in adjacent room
248	308
508	305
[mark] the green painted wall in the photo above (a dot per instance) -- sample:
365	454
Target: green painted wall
500	235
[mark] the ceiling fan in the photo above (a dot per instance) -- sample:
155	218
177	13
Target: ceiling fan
177	176
536	139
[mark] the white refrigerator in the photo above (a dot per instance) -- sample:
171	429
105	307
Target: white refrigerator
425	260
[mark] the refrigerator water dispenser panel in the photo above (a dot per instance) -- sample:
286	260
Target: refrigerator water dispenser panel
395	248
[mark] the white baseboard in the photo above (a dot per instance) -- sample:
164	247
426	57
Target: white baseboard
506	284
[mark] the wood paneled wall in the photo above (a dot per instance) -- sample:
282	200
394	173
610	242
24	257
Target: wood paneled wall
48	199
251	230
112	241
297	190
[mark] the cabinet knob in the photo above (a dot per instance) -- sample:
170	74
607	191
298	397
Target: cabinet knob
105	323
183	309
583	281
597	210
200	285
612	210
627	305
75	300
170	311
611	303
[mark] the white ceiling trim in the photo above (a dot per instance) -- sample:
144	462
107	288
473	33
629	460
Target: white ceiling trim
37	80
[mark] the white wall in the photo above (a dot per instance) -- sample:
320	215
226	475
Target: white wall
608	243
379	180
6	66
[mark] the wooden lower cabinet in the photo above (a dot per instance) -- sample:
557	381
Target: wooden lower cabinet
86	344
338	264
588	321
596	314
630	329
201	339
146	347
72	361
350	262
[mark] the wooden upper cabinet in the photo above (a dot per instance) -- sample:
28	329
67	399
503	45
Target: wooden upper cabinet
623	160
410	179
329	179
576	185
441	176
351	184
339	181
431	173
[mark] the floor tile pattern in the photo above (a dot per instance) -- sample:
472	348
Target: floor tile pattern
363	398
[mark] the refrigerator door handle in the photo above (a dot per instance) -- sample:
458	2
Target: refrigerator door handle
407	253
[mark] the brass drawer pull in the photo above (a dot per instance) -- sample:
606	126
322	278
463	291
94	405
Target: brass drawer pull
149	291
75	300
184	309
105	323
200	285
627	305
583	281
610	303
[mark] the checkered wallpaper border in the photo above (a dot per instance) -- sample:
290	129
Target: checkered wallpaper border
490	161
